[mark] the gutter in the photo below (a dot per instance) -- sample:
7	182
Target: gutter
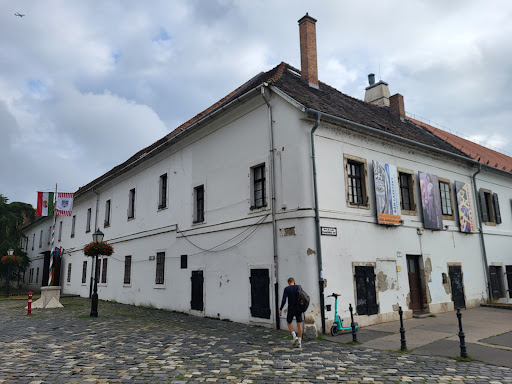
273	203
317	224
481	233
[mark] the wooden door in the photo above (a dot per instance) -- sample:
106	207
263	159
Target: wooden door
496	282
457	285
413	271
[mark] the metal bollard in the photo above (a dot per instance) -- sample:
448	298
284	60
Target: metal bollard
462	337
403	343
352	324
29	307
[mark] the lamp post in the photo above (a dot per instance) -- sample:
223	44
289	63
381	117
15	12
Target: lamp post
97	237
10	252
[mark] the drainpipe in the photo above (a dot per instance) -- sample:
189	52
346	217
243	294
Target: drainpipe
273	203
317	224
93	267
480	231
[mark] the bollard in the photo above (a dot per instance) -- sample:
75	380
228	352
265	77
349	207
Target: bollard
352	324
462	337
403	343
29	307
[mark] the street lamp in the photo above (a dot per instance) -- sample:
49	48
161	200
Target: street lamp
10	252
97	237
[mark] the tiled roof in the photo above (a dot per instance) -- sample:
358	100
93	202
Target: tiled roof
325	99
476	151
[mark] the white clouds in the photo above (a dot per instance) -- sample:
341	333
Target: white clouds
129	71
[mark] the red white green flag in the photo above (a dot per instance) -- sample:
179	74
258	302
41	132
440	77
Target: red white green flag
44	204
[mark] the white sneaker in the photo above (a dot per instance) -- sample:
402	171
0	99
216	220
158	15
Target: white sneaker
295	340
299	346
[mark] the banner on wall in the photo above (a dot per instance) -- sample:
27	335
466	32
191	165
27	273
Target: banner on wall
386	194
465	204
431	201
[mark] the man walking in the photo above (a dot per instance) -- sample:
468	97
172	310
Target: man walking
290	294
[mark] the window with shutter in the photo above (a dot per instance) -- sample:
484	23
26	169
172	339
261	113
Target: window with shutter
489	207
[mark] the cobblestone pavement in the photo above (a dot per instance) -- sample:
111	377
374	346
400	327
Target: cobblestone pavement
129	344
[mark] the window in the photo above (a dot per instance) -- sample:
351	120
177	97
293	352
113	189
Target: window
160	268
69	273
407	199
489	206
199	204
104	271
37	274
258	187
131	204
49	234
365	288
184	261
33	241
107	214
446	199
88	226
31	275
162	192
73	221
60	231
357	193
127	269
41	239
84	272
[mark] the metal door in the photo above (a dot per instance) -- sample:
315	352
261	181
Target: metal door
365	289
496	282
260	300
455	273
197	291
413	271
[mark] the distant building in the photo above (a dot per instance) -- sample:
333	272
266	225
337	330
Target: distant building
286	176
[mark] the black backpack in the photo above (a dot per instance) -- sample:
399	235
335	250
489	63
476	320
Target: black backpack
302	300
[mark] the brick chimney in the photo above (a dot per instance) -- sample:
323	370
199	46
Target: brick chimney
308	62
396	105
377	93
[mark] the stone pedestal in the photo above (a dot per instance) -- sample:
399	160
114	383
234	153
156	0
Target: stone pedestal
50	298
310	330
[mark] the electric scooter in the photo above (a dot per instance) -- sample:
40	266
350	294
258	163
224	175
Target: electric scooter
337	326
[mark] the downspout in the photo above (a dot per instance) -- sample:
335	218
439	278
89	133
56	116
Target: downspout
273	204
93	267
317	224
481	232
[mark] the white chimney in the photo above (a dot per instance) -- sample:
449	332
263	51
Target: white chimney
377	93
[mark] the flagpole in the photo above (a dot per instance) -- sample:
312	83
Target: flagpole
50	274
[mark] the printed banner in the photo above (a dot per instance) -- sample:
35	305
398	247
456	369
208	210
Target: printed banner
44	204
431	201
64	204
465	204
386	194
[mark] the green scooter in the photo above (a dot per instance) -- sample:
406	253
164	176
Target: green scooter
337	326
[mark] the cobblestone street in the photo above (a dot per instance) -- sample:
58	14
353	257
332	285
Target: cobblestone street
127	344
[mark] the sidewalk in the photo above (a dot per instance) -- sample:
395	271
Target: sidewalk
488	334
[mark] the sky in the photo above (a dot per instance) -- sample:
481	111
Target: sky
84	85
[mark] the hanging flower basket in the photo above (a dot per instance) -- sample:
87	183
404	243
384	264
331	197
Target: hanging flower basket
11	260
97	249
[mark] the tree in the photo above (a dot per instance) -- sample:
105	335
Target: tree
12	218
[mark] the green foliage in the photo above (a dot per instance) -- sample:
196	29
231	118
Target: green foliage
12	217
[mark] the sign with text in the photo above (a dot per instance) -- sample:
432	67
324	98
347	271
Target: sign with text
328	231
386	194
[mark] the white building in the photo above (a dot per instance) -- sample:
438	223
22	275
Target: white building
277	180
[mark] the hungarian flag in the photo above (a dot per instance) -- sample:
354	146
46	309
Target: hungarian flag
44	204
64	203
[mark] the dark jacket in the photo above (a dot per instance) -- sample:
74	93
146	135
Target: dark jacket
290	293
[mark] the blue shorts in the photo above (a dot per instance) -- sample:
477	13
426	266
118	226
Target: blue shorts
292	312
